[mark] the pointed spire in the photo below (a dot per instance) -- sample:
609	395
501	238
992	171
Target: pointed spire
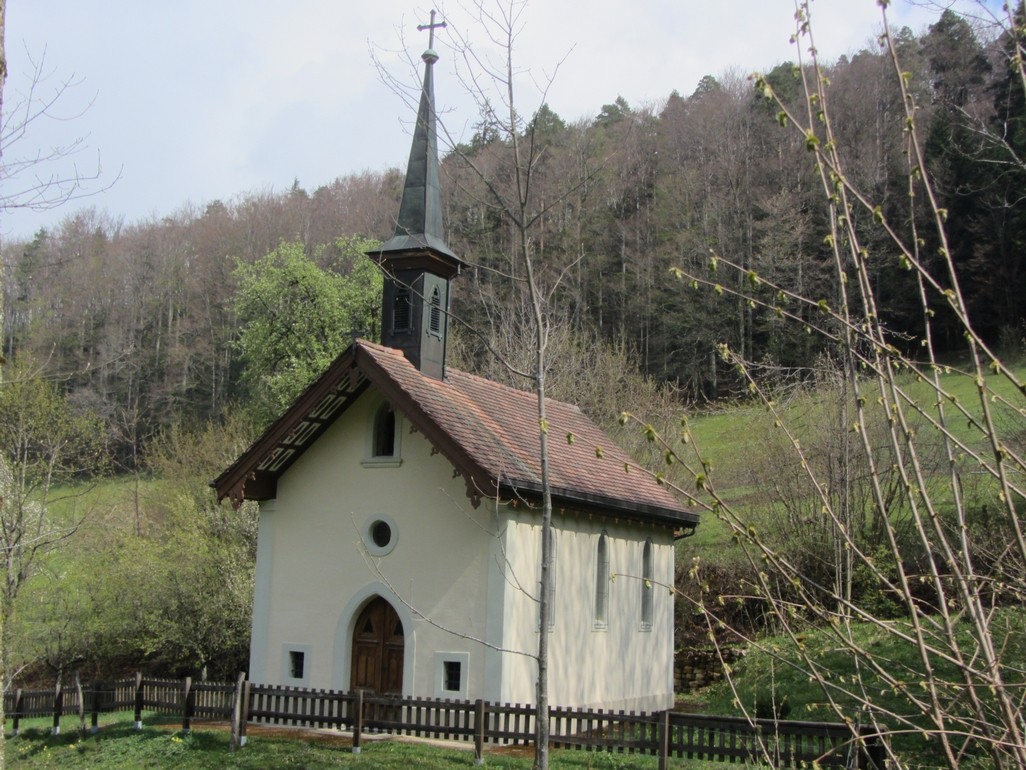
417	263
419	225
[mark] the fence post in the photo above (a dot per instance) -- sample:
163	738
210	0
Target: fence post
58	707
237	713
138	700
873	754
664	741
246	695
16	711
358	722
188	700
81	705
95	707
479	731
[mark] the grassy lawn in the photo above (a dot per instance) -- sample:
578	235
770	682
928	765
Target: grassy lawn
718	434
728	440
118	746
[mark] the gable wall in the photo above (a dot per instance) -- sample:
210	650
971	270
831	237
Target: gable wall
314	573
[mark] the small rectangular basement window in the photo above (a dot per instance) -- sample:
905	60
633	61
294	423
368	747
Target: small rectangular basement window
295	664
452	670
452	676
297	660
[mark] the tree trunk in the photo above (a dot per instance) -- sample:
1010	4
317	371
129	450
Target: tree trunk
3	81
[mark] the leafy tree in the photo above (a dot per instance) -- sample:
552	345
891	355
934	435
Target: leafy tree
296	318
171	589
613	113
995	246
706	86
181	598
44	447
958	66
652	189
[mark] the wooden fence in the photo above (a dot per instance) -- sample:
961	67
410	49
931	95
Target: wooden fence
666	734
185	698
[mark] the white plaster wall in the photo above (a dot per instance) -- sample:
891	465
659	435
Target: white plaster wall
456	575
619	666
314	575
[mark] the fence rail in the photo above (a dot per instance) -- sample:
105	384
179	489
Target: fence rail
299	707
664	734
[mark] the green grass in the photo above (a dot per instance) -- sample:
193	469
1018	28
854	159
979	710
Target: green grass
118	746
775	672
101	501
727	440
759	676
717	433
962	388
766	679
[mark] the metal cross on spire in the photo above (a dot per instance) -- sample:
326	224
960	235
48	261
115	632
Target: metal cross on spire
431	26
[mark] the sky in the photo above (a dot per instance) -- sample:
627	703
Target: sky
178	103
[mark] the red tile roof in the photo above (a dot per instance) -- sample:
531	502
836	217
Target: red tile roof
490	432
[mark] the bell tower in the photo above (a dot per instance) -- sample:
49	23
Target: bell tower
418	264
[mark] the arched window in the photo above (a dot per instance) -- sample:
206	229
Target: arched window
435	322
647	588
384	432
602	582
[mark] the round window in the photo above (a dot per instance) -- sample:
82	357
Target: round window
381	534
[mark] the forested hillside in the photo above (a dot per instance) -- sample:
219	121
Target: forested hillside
140	321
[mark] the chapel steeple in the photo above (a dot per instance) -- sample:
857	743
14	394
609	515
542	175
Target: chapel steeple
417	262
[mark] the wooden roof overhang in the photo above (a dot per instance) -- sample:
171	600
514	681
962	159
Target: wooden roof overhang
417	254
603	506
481	483
254	475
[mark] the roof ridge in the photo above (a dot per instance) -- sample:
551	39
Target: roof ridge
461	373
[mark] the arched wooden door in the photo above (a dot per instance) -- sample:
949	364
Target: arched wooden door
378	644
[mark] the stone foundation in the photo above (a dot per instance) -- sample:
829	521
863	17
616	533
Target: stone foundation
695	668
